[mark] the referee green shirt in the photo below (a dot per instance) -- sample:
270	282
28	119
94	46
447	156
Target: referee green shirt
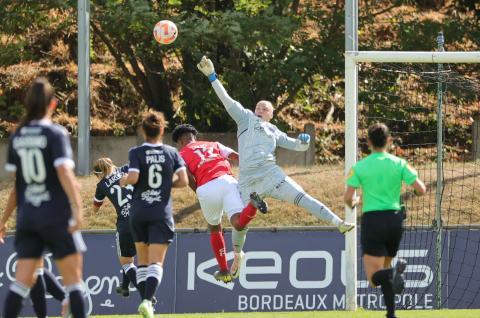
380	176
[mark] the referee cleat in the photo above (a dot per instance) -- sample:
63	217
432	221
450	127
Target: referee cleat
124	292
258	203
398	282
345	227
237	264
223	276
146	309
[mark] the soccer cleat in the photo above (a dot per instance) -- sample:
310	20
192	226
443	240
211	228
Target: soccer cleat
237	264
125	292
223	276
146	309
345	227
398	282
258	203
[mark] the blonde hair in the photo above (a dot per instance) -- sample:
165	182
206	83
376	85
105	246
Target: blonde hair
103	167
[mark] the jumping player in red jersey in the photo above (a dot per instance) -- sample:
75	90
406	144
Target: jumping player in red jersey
217	191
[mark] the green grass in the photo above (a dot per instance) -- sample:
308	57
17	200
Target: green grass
328	314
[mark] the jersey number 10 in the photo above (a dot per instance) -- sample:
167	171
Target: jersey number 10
33	165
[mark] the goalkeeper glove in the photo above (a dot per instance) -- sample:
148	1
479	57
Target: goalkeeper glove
304	138
206	67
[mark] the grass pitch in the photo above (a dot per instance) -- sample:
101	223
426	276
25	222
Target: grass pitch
470	313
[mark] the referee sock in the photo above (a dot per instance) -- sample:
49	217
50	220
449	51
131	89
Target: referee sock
238	239
76	297
53	286
131	271
154	278
14	301
218	246
248	214
142	271
37	295
384	279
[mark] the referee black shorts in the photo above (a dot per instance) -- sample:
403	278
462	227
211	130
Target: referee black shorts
381	232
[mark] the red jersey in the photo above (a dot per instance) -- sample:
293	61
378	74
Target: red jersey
206	160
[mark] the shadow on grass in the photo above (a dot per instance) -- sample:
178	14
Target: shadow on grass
183	213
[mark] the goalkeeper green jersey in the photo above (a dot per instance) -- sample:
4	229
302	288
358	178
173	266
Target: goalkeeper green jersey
380	177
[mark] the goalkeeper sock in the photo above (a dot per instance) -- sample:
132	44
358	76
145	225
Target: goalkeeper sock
317	208
218	246
248	214
238	239
384	279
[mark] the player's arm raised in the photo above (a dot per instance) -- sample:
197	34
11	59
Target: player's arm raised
234	108
300	144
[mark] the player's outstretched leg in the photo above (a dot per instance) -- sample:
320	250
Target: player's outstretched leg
290	191
219	250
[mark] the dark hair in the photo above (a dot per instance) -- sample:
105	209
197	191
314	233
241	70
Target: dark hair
153	122
181	130
378	135
39	95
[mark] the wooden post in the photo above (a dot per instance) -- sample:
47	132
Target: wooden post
476	138
309	128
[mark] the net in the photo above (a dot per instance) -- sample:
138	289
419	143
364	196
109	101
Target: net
404	96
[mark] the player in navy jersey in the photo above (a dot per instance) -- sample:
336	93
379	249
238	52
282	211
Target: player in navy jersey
49	207
154	169
109	187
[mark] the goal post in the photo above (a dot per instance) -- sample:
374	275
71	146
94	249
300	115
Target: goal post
352	59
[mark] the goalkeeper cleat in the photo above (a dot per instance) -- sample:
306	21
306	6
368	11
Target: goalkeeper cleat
146	309
398	282
223	276
237	264
124	292
258	203
345	227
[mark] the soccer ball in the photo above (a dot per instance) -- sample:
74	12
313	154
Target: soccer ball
165	32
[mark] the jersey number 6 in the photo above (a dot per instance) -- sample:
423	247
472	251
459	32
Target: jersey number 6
155	176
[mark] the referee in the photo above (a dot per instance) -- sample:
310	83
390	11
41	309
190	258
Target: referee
380	177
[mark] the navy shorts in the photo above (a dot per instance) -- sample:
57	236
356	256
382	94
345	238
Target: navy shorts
124	239
381	232
32	243
153	231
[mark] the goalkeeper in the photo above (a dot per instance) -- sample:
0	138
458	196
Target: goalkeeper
257	140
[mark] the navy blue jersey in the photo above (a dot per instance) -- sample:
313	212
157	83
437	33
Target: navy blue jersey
120	197
34	152
156	165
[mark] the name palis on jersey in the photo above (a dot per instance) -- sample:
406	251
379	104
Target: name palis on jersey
154	158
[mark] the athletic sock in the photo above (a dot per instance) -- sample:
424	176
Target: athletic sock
77	304
238	239
142	271
131	271
154	278
14	301
37	295
317	208
53	286
218	246
383	278
125	280
248	214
